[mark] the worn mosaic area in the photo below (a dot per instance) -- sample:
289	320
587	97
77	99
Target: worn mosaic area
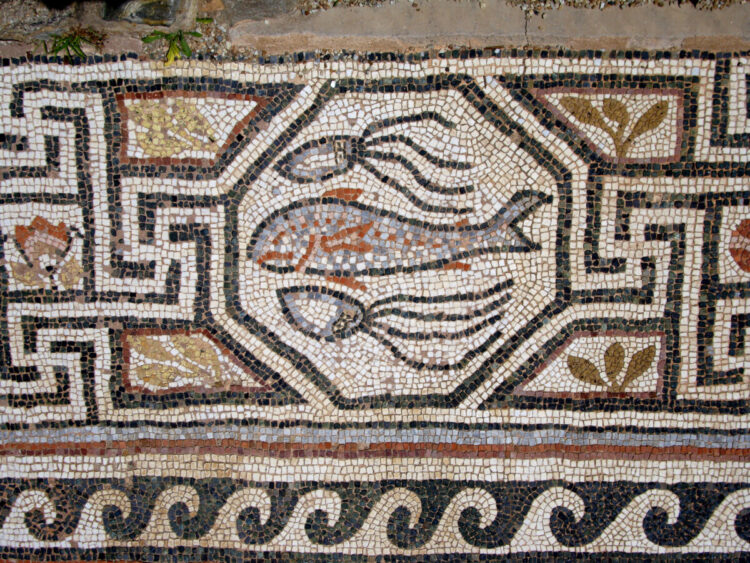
461	305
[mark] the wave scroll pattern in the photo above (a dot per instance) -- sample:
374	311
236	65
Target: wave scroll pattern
386	518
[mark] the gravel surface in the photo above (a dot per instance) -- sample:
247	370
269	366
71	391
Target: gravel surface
536	6
26	16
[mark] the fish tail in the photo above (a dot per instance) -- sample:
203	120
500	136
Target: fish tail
505	228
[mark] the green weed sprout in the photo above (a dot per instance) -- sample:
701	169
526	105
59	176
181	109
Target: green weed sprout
177	45
71	43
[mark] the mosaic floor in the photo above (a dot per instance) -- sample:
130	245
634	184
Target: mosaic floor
452	306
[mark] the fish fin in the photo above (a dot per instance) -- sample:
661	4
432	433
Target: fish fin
348	239
311	244
522	205
274	256
517	210
348	282
347	194
516	240
457	266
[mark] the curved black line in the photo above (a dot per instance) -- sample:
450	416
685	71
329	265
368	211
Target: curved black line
424	206
419	365
420	179
441	162
440	317
477	296
437	335
423	116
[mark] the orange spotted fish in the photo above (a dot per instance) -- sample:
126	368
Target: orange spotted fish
341	239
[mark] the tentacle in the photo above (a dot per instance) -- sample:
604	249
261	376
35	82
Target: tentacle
437	161
423	205
416	117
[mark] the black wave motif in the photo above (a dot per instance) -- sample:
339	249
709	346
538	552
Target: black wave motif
434	496
513	503
603	503
742	524
213	494
68	498
284	498
143	494
357	501
697	504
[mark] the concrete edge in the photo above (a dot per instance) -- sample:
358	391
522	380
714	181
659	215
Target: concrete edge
444	23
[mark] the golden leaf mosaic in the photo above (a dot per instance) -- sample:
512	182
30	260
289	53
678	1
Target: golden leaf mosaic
464	305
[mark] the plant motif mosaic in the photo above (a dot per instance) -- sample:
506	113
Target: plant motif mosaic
463	305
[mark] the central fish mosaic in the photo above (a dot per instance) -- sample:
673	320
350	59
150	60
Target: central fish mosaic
385	210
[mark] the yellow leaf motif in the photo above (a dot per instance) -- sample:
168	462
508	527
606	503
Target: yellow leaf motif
639	363
650	120
614	359
157	375
585	371
615	110
180	356
151	348
201	356
583	111
171	128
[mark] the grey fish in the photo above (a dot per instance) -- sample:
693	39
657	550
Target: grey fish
336	237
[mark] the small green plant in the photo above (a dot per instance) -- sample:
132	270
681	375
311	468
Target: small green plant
71	43
177	45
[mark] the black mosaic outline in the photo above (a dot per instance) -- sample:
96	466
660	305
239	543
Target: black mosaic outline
279	394
521	86
598	171
184	555
461	53
720	109
711	291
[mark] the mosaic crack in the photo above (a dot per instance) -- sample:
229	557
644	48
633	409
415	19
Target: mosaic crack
461	305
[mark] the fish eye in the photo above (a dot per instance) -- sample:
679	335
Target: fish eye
321	314
349	319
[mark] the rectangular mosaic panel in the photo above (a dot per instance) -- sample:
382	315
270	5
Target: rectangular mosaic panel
458	305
